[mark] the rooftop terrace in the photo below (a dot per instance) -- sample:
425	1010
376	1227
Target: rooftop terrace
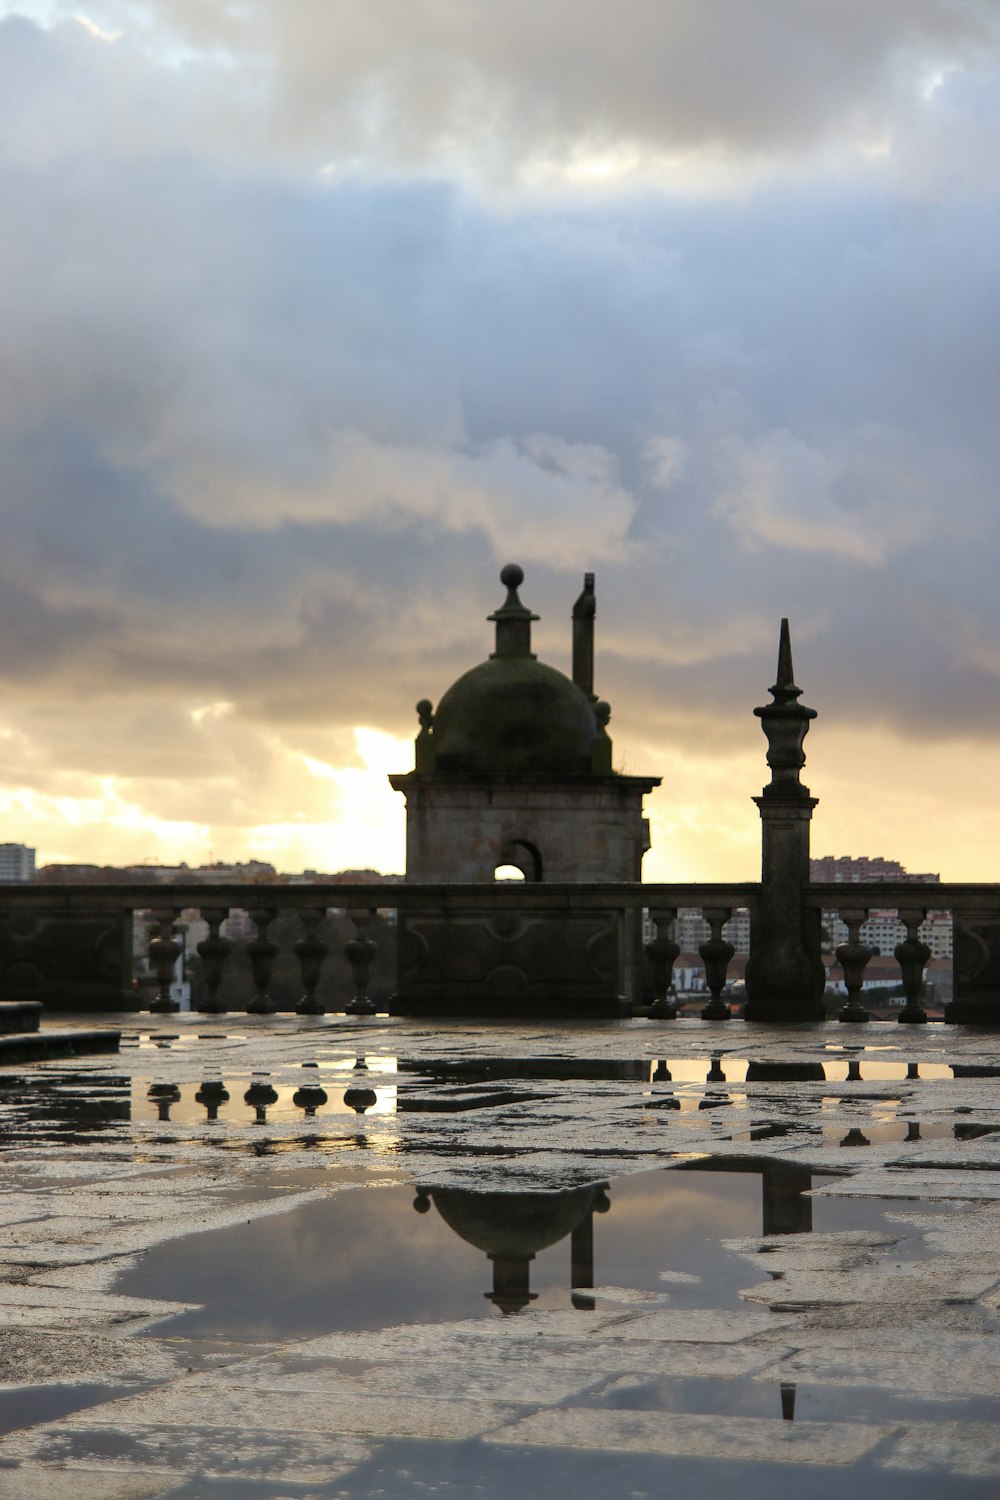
610	1259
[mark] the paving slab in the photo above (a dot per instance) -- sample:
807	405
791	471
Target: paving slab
346	1412
32	1482
966	1448
747	1439
92	1456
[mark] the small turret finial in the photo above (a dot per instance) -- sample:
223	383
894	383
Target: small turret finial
513	619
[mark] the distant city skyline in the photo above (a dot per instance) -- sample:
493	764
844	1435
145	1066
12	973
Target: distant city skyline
314	316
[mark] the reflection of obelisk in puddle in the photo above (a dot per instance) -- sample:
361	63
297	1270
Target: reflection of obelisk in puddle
511	1228
786	1207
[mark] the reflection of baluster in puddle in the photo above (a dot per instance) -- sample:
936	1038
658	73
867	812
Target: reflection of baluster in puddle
854	1137
212	1094
259	1095
163	1095
788	1400
309	1097
360	1096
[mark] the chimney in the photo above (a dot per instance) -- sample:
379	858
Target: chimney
584	611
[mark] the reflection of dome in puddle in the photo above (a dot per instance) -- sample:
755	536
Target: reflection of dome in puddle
512	1227
514	1223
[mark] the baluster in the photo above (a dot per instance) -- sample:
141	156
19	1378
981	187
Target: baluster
360	952
213	950
662	953
912	956
262	952
716	953
310	952
164	951
853	957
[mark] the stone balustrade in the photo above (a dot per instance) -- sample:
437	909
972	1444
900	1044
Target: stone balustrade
975	912
107	909
79	923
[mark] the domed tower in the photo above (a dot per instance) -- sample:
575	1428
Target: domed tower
514	768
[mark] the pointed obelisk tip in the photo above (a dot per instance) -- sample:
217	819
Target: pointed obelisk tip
784	690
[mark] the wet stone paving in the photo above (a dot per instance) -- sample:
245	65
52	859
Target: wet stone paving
276	1258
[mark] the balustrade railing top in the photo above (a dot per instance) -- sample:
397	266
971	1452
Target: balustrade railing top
512	895
878	895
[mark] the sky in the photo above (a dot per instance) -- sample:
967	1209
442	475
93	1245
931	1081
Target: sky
317	312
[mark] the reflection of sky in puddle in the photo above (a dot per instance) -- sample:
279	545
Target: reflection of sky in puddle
364	1259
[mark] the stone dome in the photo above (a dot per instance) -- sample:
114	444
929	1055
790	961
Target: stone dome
512	715
516	715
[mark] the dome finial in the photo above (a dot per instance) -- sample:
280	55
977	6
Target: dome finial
513	620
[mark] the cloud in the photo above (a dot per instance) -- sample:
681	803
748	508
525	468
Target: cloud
586	82
853	494
265	438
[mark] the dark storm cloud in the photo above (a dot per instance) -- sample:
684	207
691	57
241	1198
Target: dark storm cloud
265	441
408	79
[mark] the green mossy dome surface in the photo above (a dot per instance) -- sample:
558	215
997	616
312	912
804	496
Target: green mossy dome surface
513	715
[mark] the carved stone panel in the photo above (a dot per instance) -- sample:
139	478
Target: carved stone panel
976	973
79	961
509	963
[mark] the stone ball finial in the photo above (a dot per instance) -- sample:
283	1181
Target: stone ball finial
425	713
602	712
512	575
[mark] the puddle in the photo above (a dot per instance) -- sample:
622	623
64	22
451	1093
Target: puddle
26	1405
373	1258
801	1401
717	1094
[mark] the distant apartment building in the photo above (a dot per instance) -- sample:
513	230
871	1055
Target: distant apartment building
883	930
691	930
847	869
17	862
